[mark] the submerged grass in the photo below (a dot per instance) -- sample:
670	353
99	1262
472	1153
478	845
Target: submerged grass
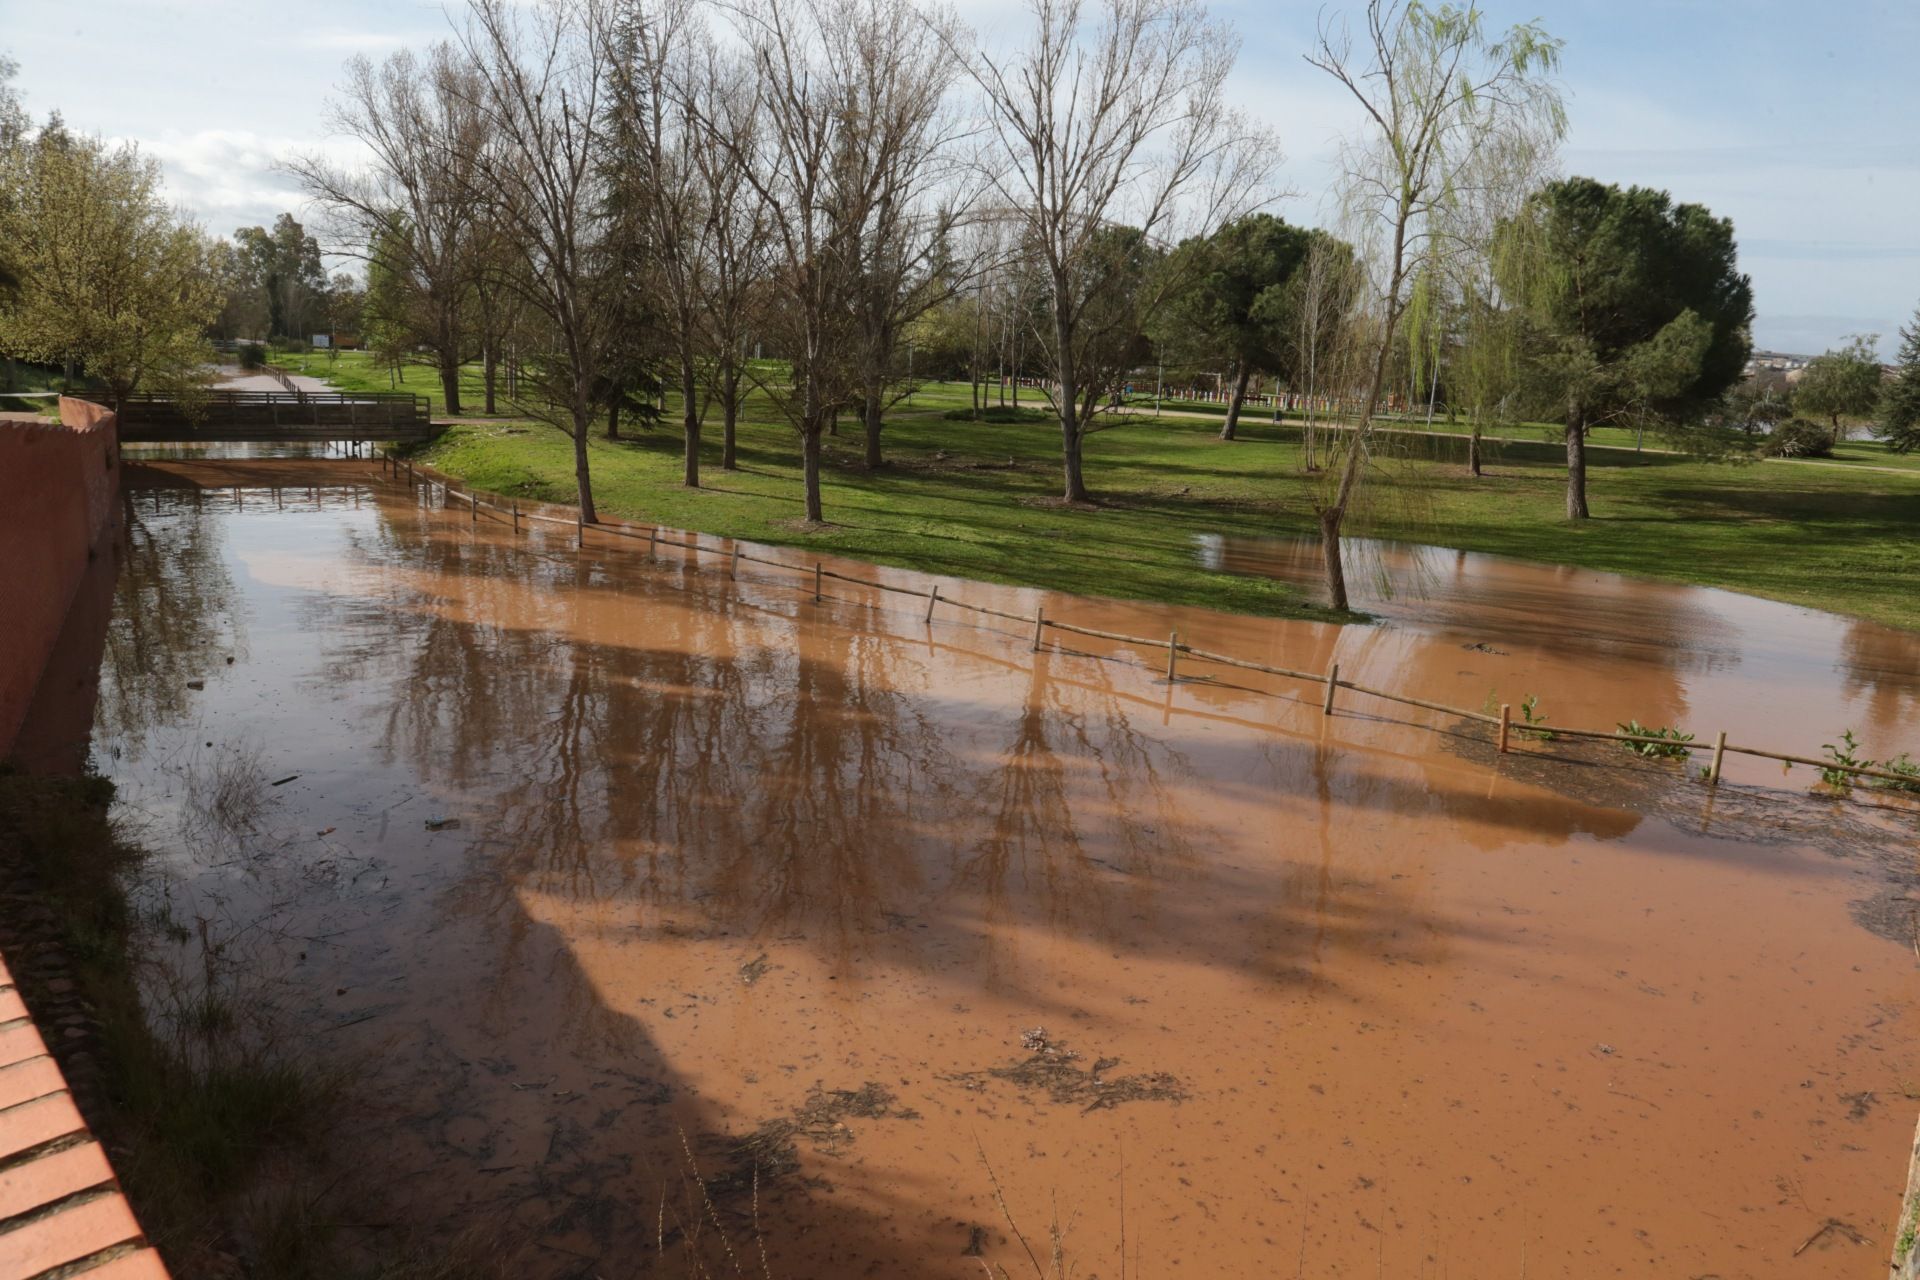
213	1113
978	499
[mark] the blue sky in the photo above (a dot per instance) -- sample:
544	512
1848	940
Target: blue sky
1799	121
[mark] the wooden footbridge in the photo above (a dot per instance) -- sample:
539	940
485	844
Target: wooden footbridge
273	417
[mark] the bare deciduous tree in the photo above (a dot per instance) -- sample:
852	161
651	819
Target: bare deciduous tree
540	82
1112	119
726	101
849	91
416	206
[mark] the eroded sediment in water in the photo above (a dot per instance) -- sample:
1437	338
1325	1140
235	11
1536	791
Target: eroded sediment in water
602	862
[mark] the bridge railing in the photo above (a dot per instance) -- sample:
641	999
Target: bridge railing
265	416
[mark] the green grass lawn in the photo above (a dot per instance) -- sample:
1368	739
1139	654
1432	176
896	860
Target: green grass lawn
977	500
356	371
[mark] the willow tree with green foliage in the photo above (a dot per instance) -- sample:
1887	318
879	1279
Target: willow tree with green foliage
113	280
1636	308
1900	401
1437	92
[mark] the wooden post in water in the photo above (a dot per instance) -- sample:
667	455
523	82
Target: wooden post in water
1333	682
579	530
1506	718
1173	653
1039	621
816	582
653	541
933	598
516	517
473	508
1719	754
733	563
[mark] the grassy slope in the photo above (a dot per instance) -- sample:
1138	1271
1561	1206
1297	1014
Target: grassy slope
975	500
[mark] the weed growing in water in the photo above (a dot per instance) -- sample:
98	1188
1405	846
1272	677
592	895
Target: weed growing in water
1671	748
1845	753
1909	770
1531	713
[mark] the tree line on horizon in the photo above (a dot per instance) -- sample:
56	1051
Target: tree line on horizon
599	201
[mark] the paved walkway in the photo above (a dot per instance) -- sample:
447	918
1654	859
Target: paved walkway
231	379
60	1209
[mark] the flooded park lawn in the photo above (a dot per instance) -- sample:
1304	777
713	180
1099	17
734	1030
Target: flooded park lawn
604	868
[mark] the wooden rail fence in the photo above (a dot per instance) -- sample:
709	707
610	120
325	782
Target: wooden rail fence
1329	680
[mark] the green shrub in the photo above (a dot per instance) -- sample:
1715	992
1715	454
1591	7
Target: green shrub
1000	413
252	356
1799	438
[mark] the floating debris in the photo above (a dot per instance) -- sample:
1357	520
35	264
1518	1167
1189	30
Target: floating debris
1053	1068
755	969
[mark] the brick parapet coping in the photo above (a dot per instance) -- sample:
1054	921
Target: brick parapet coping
61	1211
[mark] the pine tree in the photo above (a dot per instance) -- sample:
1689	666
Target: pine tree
1900	403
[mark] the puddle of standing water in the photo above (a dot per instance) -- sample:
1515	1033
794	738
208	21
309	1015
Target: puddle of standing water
600	861
1599	648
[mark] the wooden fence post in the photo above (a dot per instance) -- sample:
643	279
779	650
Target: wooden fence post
816	582
580	530
1333	682
933	598
516	517
1173	653
653	540
733	563
473	507
1039	622
1719	753
1506	719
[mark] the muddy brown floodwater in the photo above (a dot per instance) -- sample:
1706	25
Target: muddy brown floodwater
600	866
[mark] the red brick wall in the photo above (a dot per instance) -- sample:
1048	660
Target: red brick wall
59	494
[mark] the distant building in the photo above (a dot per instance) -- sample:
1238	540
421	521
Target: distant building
1776	362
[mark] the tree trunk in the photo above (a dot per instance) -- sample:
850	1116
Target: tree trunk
1238	398
1576	464
690	422
1071	435
870	414
810	470
1332	517
1330	552
492	365
1473	452
582	423
449	384
729	416
613	419
1071	439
